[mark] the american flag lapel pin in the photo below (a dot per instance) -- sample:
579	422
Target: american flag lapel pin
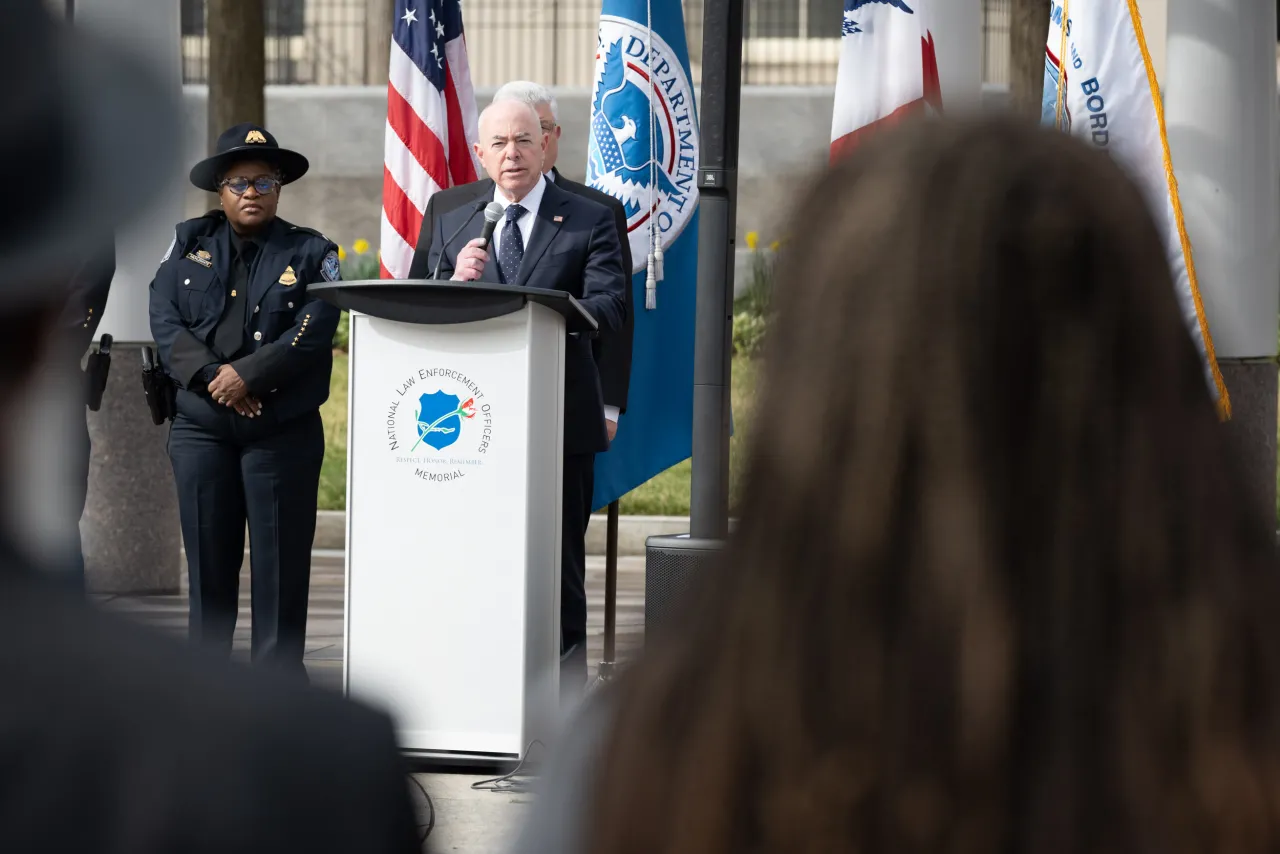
557	219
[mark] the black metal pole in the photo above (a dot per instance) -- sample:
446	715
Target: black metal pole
721	105
610	585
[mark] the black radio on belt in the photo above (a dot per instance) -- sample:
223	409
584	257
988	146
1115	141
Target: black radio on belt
160	391
95	371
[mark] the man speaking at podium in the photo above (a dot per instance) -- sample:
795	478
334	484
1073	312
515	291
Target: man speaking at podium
554	240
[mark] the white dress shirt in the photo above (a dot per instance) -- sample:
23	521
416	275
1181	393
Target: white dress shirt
531	202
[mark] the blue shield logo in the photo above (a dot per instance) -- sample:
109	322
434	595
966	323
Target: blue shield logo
439	420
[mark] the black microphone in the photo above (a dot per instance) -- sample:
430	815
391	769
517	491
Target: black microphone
493	212
475	209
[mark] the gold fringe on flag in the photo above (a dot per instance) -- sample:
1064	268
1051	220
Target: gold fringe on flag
1224	399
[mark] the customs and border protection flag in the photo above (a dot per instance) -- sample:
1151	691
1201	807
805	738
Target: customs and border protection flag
888	69
1099	85
643	151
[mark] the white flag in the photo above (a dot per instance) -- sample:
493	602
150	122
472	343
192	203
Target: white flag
1099	85
888	69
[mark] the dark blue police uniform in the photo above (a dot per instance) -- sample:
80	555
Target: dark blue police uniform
86	303
222	299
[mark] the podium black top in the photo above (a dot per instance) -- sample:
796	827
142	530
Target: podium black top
428	301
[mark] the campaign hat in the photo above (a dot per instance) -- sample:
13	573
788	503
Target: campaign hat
247	141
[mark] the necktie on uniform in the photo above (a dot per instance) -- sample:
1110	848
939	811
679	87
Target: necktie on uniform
511	247
228	336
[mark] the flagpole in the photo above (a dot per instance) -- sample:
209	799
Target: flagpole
605	673
717	188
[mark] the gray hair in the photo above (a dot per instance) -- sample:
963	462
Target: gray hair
529	93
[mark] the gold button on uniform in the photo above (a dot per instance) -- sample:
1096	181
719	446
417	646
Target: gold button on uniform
257	336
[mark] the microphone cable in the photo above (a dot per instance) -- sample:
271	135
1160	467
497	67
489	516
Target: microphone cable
514	782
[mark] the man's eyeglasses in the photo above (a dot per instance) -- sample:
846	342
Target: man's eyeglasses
548	127
264	185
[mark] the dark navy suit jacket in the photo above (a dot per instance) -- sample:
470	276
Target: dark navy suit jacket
288	333
87	300
612	351
574	248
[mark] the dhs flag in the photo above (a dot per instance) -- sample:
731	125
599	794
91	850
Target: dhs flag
888	69
1099	85
643	151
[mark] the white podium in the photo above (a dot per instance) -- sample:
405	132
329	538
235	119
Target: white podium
454	455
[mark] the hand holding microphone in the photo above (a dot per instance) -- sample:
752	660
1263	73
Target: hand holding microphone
473	256
471	261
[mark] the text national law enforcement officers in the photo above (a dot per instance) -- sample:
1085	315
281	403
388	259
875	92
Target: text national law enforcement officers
251	352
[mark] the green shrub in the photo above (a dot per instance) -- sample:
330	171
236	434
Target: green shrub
358	267
748	334
757	299
342	335
752	308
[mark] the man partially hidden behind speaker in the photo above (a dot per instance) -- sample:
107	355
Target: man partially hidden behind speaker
80	318
547	238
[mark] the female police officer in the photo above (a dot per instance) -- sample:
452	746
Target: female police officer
250	352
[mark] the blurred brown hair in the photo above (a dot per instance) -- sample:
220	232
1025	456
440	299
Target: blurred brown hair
996	585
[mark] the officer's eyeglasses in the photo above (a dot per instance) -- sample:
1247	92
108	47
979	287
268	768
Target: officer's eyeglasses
264	185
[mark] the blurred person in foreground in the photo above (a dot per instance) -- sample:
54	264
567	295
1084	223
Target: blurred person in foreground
114	738
997	583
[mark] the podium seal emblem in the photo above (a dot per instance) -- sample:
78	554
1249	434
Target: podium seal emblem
439	424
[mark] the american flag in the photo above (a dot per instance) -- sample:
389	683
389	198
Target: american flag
431	122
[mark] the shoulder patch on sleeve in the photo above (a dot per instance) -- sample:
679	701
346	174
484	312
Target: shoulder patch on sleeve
330	267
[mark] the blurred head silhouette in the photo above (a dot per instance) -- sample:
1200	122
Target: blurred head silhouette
81	118
996	584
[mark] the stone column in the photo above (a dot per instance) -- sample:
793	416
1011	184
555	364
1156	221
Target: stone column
377	42
1220	97
957	34
1028	32
132	540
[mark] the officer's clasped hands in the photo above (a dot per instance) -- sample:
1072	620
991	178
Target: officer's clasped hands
229	389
